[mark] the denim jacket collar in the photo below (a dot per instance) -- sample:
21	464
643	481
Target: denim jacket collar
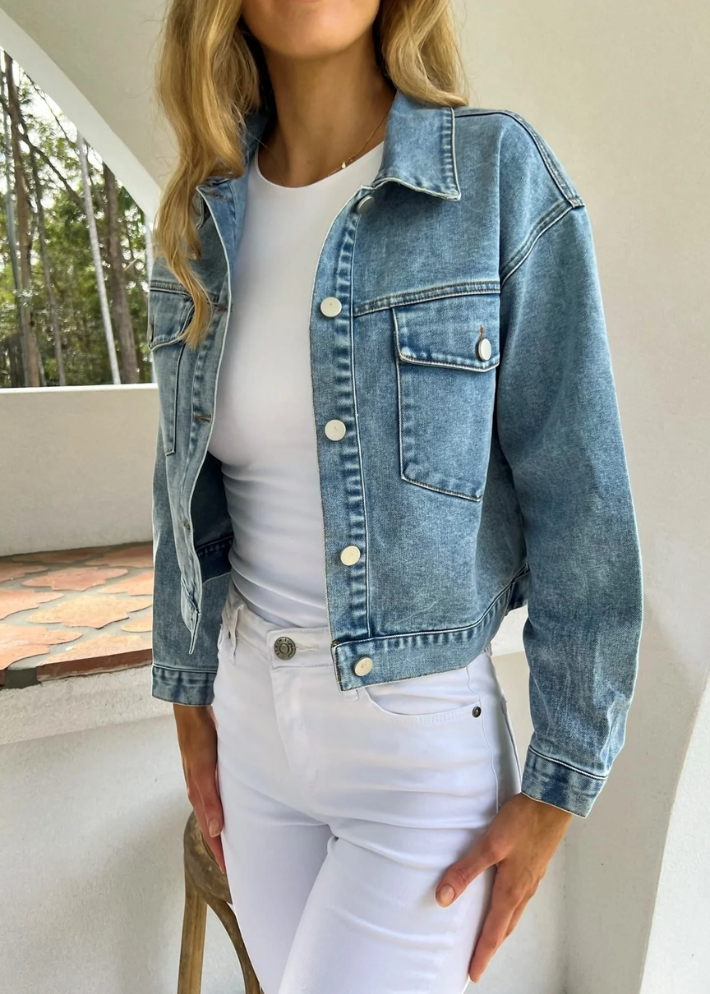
418	148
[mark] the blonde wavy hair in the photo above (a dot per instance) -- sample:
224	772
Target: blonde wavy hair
211	75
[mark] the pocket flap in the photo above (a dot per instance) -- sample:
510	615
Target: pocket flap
169	312
447	331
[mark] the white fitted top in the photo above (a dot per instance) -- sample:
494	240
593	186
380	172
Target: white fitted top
264	424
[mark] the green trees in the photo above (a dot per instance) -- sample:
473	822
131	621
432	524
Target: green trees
52	331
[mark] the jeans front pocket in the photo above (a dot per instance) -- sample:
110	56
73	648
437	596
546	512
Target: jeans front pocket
432	698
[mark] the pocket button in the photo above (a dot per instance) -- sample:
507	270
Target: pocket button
484	349
476	712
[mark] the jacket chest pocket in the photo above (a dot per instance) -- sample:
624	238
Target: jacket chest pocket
169	313
446	352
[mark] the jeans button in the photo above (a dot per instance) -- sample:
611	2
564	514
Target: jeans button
285	648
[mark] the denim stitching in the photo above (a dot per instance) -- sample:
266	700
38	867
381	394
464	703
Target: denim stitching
533	244
465	288
567	191
481	718
561	762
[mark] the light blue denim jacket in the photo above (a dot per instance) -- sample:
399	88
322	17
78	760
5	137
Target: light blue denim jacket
457	332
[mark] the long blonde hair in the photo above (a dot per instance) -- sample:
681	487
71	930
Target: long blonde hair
211	76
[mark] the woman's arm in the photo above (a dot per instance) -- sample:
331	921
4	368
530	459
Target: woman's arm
190	691
558	425
559	429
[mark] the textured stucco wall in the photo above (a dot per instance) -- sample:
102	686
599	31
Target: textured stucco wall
77	466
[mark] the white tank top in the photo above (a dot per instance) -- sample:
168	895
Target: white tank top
264	424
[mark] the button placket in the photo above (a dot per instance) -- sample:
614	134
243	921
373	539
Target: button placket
334	400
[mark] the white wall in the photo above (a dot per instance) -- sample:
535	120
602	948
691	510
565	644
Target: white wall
621	93
679	952
91	829
77	466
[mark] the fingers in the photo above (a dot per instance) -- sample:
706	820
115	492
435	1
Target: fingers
516	917
495	926
198	749
218	852
460	874
204	797
211	803
510	895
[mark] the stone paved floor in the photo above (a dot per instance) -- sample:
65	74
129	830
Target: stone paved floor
74	612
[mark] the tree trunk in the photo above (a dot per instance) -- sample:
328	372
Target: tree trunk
96	252
119	297
149	256
51	299
33	376
16	352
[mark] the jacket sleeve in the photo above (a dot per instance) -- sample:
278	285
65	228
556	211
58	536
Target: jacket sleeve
176	675
559	429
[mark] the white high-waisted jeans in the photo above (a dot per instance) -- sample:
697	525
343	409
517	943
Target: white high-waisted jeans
342	810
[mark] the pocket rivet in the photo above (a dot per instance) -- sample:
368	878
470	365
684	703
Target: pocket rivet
476	712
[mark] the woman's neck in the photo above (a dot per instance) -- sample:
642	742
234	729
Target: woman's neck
324	113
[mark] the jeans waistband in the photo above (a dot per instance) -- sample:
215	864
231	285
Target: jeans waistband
239	620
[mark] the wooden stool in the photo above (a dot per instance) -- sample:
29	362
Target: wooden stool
206	884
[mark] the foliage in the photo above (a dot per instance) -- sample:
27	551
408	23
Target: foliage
73	276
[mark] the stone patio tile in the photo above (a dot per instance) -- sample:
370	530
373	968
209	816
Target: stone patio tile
108	643
74	578
91	610
141	583
142	624
13	571
12	601
103	652
59	556
23	642
134	555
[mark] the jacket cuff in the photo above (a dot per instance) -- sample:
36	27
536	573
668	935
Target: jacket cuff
557	783
182	686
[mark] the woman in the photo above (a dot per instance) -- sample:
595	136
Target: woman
387	418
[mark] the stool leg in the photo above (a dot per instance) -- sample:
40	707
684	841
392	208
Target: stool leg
193	939
226	915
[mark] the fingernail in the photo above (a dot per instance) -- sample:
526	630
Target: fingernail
446	895
214	827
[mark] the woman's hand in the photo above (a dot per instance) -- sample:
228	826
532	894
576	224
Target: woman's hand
197	739
520	841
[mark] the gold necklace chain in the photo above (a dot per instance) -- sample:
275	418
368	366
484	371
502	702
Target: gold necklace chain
352	157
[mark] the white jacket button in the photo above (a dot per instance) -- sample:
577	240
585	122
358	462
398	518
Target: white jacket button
484	349
335	430
365	203
363	666
350	555
331	307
